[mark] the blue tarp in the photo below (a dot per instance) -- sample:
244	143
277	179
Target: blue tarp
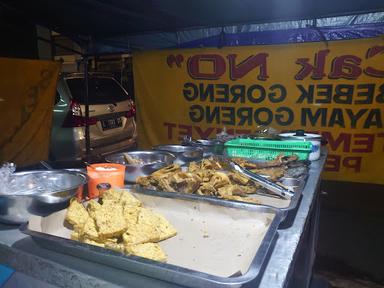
327	29
116	26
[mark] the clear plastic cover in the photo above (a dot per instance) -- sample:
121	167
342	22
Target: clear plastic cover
25	184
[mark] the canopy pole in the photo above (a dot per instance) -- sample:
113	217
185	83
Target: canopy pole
86	103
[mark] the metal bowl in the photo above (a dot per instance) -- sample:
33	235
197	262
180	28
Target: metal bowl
208	142
210	146
152	161
50	194
184	154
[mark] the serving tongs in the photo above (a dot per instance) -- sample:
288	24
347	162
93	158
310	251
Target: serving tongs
262	181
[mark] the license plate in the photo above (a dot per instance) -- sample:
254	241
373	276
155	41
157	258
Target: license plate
111	123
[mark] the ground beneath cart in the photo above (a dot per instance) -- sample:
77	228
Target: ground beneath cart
336	280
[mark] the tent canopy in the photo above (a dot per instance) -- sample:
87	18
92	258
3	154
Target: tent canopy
108	18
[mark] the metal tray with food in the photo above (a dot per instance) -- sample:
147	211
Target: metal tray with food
210	178
37	192
218	244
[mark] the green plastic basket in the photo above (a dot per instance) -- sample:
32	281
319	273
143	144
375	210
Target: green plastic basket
266	149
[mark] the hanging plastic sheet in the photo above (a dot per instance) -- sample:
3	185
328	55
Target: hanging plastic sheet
325	29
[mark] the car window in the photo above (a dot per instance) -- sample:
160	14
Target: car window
101	90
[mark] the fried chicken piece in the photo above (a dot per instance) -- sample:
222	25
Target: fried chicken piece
237	178
219	179
211	164
193	167
287	159
243	199
251	189
184	182
280	160
147	182
144	180
133	160
164	184
204	175
225	191
206	189
245	163
239	190
166	170
274	173
250	200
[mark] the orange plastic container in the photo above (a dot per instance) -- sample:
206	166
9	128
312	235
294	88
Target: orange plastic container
101	176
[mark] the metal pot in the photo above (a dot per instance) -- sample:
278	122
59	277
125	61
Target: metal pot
315	139
16	208
152	161
184	154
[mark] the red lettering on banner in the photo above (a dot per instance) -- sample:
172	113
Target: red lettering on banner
333	163
317	69
366	142
179	130
353	163
343	138
237	71
218	62
170	127
381	135
346	66
204	134
373	51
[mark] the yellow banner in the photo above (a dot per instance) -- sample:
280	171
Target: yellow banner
27	93
334	88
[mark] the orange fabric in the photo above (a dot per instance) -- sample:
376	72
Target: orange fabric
27	93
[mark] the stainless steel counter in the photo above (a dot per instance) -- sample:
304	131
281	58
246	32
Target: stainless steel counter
296	245
290	262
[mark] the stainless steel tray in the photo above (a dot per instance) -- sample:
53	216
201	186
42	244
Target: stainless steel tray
169	272
268	200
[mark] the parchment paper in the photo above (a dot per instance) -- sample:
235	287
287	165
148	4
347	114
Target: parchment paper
212	239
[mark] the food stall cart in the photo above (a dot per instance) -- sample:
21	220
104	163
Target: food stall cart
290	259
289	262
